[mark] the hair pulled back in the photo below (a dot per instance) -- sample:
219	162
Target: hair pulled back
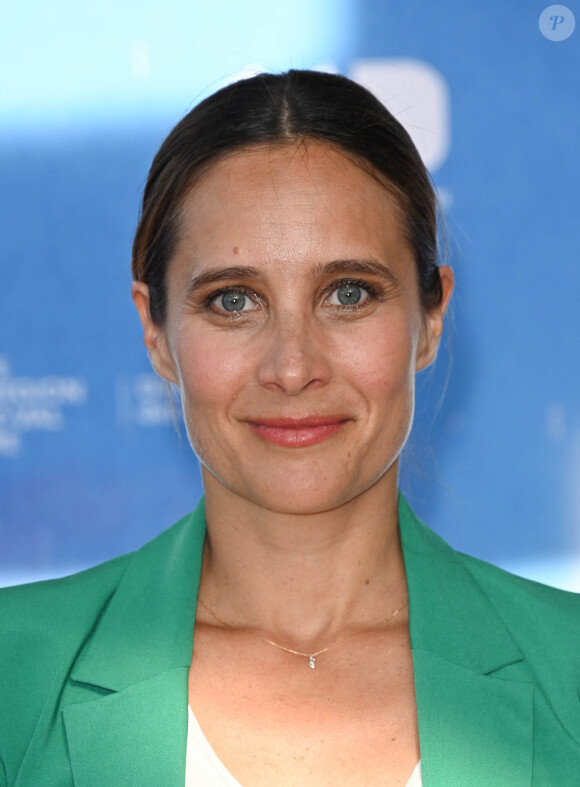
283	108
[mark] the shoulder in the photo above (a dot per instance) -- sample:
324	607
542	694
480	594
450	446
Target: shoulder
44	624
53	614
530	606
524	597
543	620
52	607
469	597
48	628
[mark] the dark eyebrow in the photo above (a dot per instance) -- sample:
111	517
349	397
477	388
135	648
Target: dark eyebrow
370	266
221	274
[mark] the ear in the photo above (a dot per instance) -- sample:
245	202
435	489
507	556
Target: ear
153	335
433	322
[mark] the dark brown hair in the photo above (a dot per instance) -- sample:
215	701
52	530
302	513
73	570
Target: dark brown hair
282	108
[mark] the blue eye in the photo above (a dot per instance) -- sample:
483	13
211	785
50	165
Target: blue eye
234	301
348	294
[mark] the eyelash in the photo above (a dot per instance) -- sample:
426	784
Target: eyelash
374	292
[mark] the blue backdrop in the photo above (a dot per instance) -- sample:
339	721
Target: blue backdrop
91	464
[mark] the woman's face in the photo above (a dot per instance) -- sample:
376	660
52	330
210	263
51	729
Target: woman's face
294	327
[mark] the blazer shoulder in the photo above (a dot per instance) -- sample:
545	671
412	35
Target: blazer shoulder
543	620
37	607
43	626
49	628
521	591
56	616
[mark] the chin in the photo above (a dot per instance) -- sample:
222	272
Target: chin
299	504
300	491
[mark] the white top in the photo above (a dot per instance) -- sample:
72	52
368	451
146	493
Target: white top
203	768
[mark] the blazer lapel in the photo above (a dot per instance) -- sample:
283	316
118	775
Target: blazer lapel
474	694
134	736
473	729
126	705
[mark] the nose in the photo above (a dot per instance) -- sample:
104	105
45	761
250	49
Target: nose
293	356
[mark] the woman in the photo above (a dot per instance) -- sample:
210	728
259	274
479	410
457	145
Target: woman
286	278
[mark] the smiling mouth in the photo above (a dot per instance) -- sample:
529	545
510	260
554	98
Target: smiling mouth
297	432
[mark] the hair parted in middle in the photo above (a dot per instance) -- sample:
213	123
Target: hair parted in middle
276	109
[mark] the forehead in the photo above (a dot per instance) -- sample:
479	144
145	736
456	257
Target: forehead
275	201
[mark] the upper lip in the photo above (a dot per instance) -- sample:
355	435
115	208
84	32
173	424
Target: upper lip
292	422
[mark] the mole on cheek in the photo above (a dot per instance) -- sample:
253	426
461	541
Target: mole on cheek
236	249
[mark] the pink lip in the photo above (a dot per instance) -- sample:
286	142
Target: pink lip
297	432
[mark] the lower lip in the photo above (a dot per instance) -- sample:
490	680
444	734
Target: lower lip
296	437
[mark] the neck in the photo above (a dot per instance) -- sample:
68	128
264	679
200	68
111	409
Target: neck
306	577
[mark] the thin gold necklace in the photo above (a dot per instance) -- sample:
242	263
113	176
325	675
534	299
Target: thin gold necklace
310	656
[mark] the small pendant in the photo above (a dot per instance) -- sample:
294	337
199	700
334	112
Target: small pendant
312	662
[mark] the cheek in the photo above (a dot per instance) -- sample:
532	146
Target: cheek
382	361
210	373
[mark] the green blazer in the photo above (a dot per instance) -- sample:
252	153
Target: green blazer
94	668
